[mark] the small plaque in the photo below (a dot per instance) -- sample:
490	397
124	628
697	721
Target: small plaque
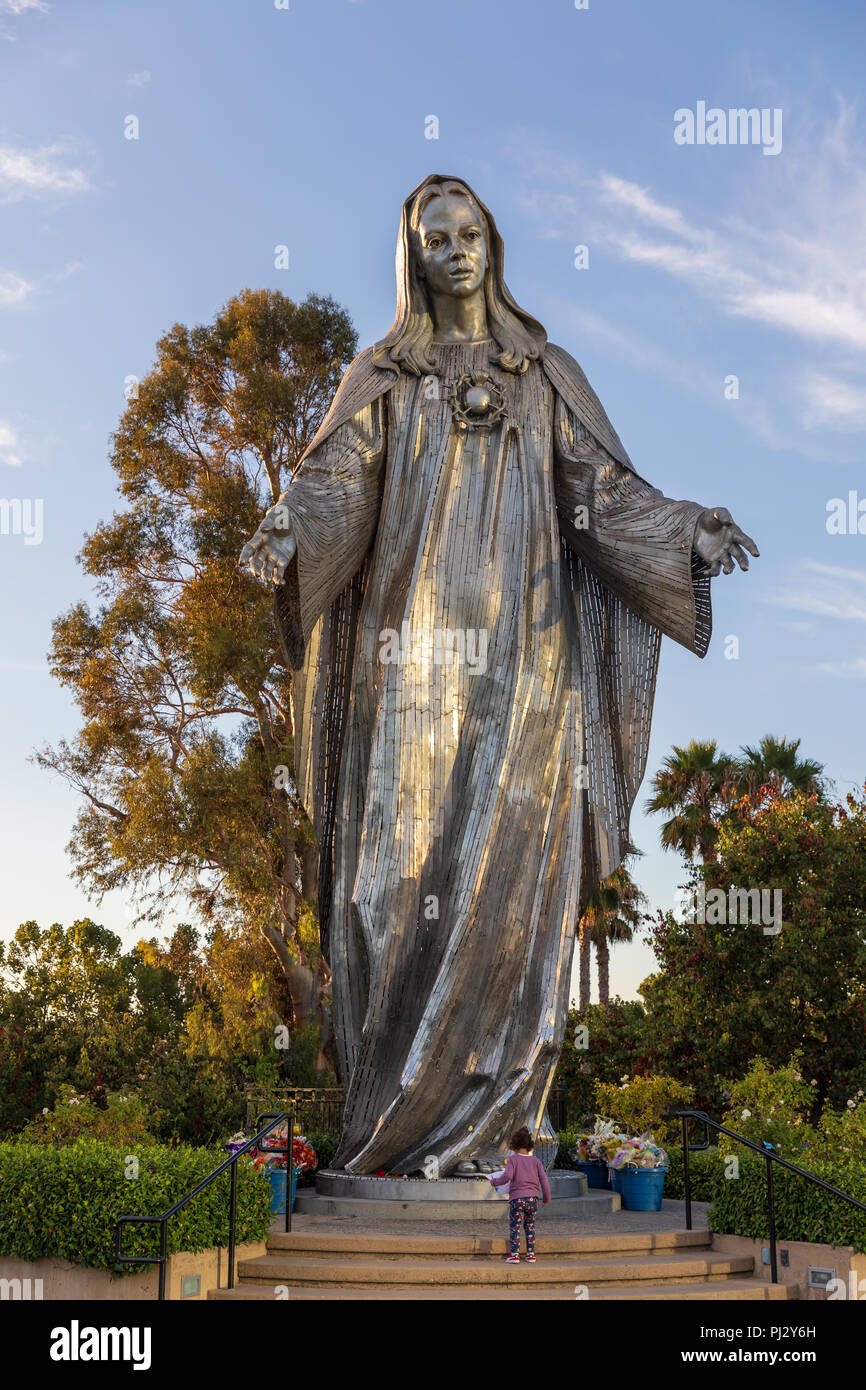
190	1286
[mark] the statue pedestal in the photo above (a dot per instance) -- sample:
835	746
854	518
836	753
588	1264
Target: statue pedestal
443	1199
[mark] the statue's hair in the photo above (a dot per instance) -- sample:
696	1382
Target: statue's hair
520	337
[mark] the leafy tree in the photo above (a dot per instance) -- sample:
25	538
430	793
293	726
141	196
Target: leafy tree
65	1015
727	991
185	698
615	1045
178	1027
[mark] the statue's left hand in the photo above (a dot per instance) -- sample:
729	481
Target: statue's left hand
719	541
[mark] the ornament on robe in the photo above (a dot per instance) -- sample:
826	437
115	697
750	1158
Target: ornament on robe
477	403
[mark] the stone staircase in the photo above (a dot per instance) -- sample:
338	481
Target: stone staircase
313	1264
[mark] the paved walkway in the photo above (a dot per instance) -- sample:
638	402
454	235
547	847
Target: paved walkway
672	1217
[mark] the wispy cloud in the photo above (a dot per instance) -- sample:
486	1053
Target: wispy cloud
832	401
811	282
21	6
793	260
831	592
10	446
13	289
620	193
138	79
853	669
29	173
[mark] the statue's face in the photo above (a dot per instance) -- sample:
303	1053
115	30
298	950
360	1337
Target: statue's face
452	246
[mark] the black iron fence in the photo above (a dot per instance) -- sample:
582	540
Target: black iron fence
557	1107
318	1109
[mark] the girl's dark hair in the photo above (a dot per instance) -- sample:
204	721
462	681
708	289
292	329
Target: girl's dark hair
521	1139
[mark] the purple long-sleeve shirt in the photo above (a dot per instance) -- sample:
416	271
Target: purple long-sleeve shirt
523	1173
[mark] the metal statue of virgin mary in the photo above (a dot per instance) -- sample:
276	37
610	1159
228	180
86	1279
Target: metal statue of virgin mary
472	584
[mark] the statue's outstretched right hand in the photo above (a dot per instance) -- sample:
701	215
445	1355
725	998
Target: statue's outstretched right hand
268	553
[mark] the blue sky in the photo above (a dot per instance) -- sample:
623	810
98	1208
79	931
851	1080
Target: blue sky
306	127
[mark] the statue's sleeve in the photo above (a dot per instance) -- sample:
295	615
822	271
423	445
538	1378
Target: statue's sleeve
333	507
630	536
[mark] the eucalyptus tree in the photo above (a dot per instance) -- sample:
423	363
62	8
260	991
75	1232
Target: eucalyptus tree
186	735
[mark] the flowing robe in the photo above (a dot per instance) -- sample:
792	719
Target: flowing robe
479	612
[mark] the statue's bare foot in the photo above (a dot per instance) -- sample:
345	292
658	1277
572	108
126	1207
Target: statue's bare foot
467	1169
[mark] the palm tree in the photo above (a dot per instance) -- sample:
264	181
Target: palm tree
775	761
694	783
584	977
612	914
624	903
698	783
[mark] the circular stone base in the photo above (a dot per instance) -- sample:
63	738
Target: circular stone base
563	1184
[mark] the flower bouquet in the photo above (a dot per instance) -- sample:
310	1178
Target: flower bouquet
594	1150
274	1164
236	1142
639	1153
638	1169
303	1153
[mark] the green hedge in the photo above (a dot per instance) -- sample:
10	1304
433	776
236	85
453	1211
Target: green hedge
64	1202
705	1170
803	1211
326	1146
567	1139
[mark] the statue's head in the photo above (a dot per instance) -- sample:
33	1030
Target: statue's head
434	211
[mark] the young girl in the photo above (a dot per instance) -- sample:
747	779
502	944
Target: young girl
522	1173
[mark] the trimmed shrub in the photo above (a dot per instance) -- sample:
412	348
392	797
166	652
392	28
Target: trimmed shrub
803	1212
639	1106
64	1202
706	1169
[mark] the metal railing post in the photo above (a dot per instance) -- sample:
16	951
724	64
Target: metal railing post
686	1174
233	1206
772	1215
163	1244
290	1164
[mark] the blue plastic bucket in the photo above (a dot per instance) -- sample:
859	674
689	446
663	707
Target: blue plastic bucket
640	1188
277	1180
597	1175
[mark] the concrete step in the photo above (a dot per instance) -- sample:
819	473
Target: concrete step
375	1210
753	1290
749	1290
394	1246
358	1270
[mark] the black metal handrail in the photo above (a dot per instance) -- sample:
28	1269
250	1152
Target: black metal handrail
768	1153
231	1162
